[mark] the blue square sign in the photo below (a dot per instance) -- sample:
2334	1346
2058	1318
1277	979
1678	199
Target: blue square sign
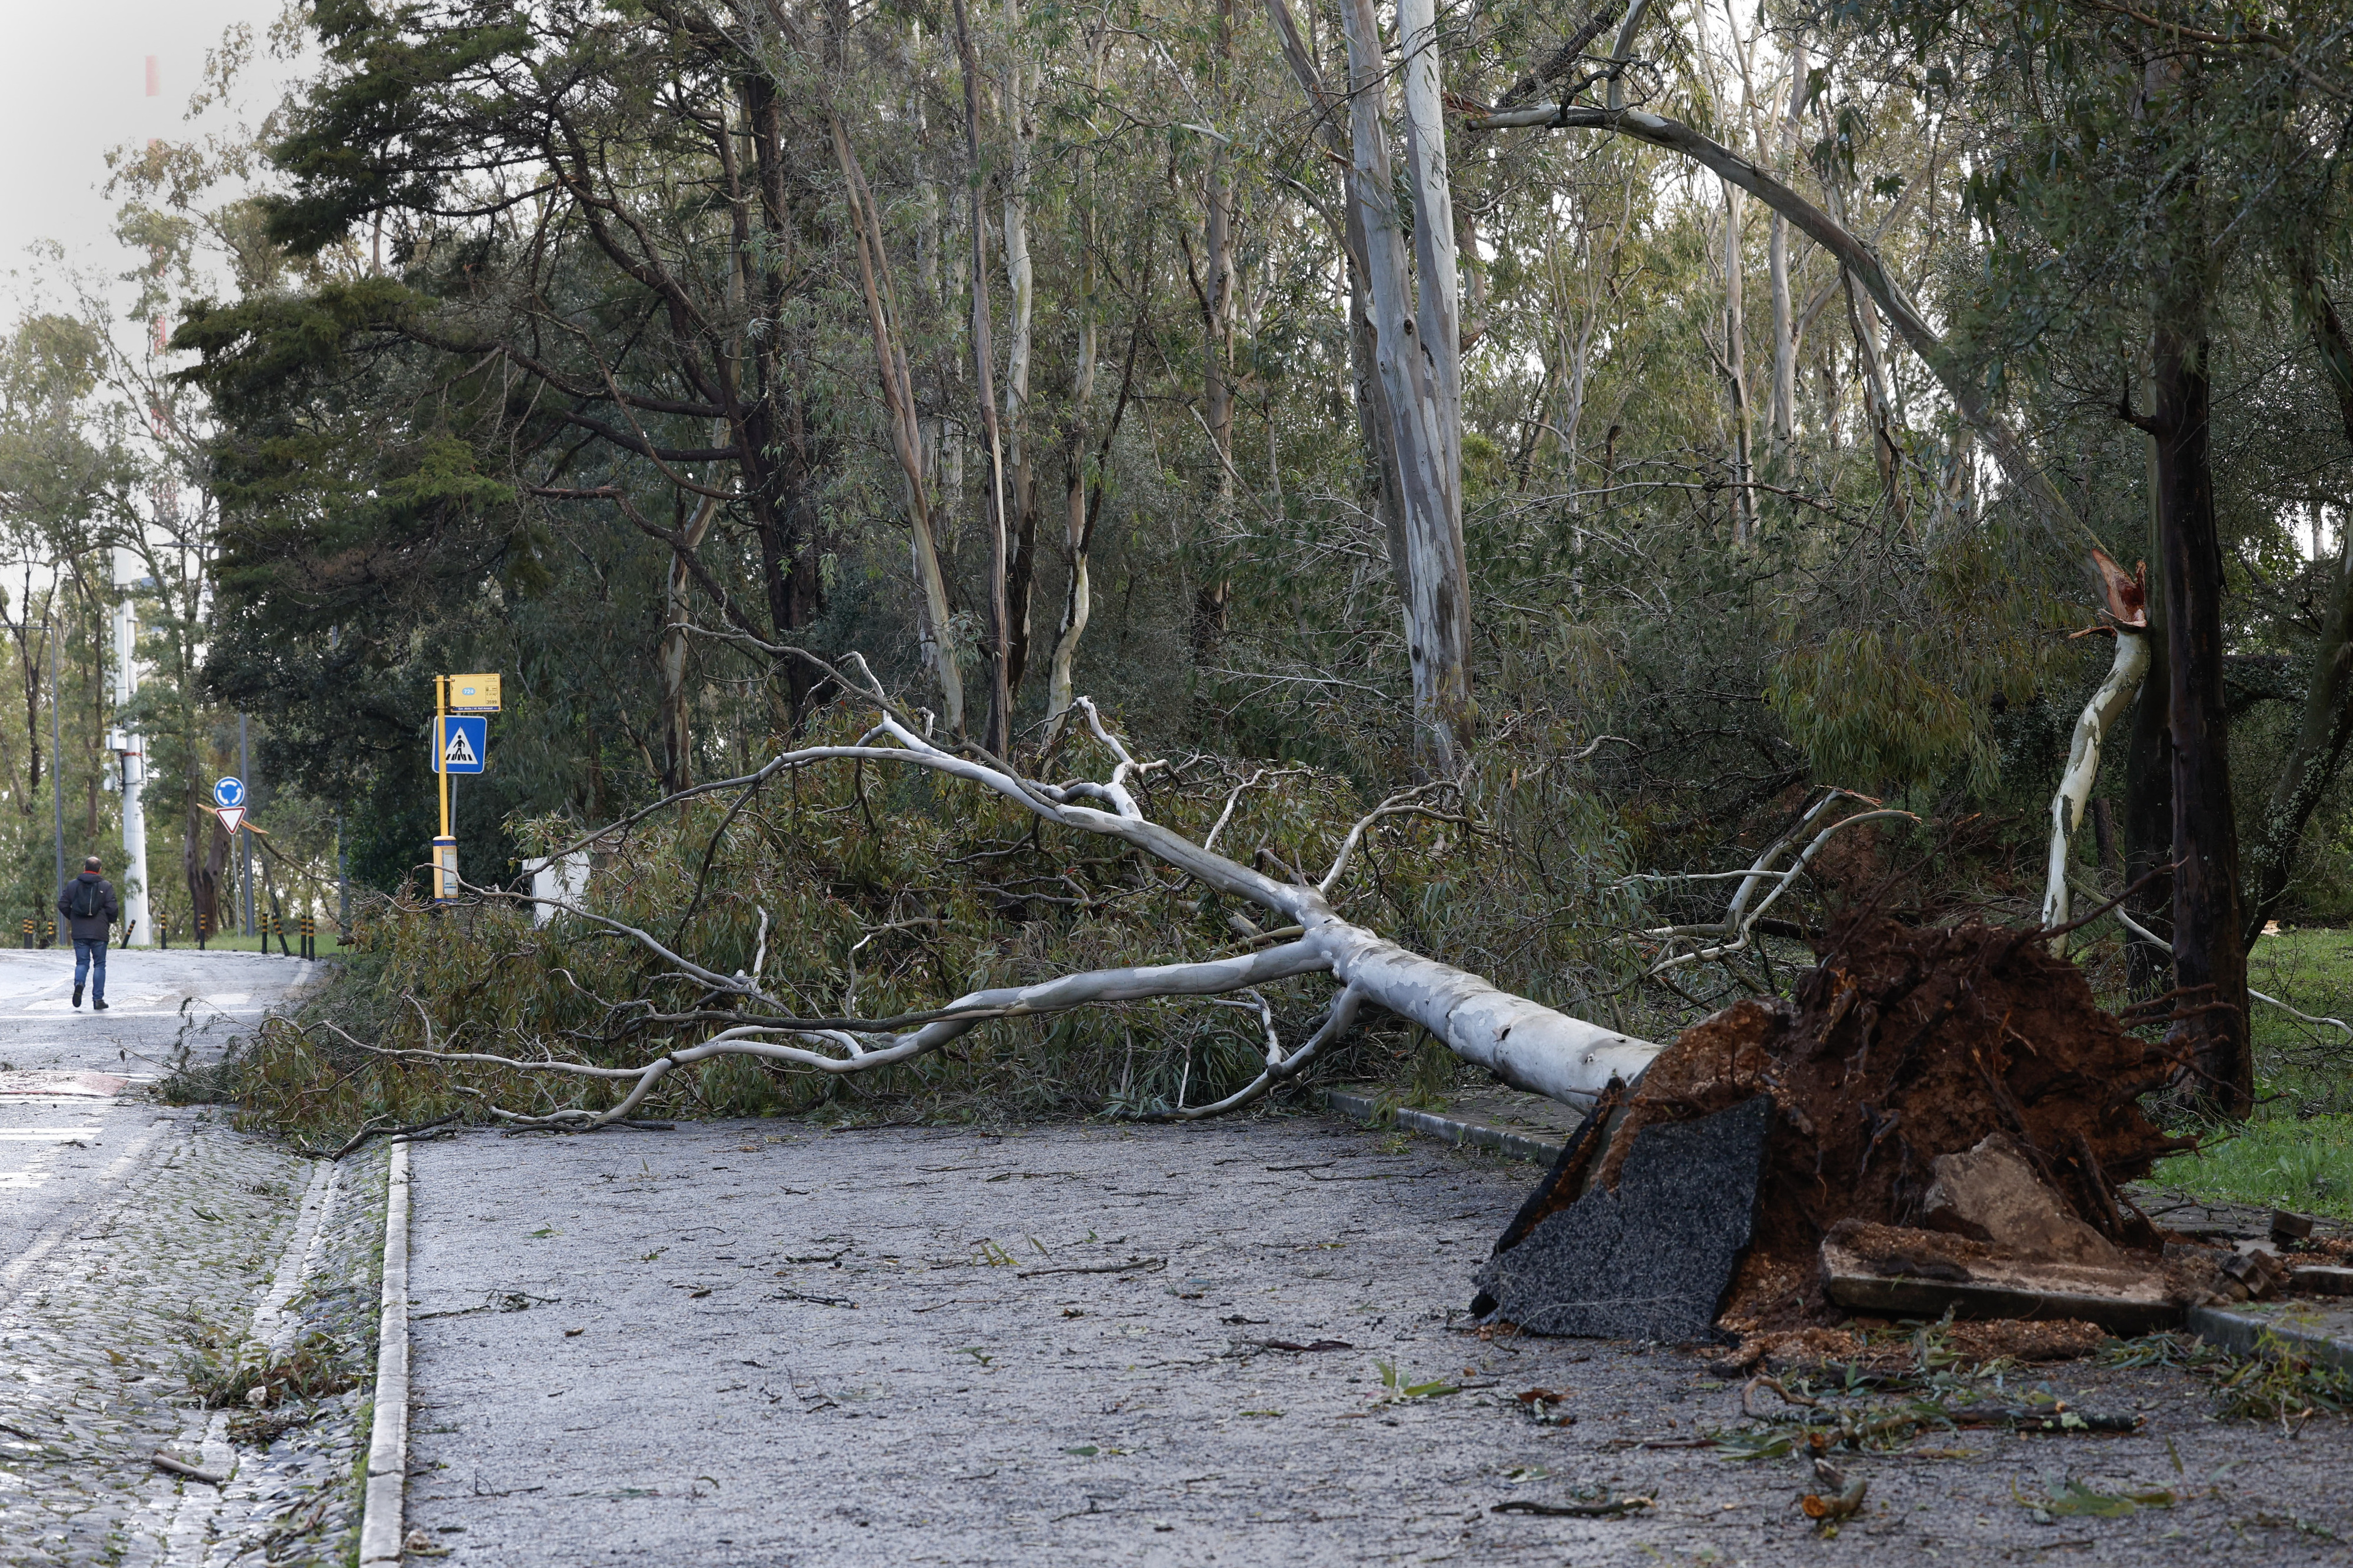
465	745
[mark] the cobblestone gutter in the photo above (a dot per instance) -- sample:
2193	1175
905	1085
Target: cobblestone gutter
214	1250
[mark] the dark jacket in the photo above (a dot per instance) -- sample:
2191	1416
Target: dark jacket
94	928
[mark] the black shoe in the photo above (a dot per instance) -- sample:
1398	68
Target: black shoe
97	1005
76	996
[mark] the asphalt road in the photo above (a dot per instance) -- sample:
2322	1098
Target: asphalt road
68	1136
131	1235
766	1343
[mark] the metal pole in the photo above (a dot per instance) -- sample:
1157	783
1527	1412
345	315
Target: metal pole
444	849
343	880
440	739
57	752
139	927
244	840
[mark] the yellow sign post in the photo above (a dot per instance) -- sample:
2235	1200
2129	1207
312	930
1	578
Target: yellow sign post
445	847
453	694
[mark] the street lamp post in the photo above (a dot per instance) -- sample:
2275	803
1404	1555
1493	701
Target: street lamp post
57	749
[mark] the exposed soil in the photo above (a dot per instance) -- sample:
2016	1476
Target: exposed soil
1905	1043
2060	1339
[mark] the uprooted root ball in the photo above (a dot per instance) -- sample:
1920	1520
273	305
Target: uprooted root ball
1901	1045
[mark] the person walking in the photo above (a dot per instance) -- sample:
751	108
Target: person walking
89	908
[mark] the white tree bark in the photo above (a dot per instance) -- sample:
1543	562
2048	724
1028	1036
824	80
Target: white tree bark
2108	702
1375	417
935	628
1020	276
1735	370
1416	347
1784	331
999	738
1078	594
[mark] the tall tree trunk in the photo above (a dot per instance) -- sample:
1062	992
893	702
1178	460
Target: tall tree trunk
1785	332
1217	350
1418	343
999	737
2209	944
31	656
1878	401
2312	763
1374	419
1735	369
779	454
2148	778
934	622
1079	512
1021	279
677	737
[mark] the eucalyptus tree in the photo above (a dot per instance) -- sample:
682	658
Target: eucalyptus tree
604	220
2198	117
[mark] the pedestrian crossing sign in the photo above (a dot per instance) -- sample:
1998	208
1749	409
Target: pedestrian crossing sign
464	745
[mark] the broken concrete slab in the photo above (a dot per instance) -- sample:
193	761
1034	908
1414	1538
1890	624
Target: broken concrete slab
1992	1194
1911	1273
1653	1257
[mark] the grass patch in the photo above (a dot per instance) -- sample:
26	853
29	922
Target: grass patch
2283	1162
2296	1151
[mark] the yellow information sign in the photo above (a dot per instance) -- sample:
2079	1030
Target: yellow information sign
473	693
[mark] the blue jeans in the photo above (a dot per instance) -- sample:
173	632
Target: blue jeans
90	952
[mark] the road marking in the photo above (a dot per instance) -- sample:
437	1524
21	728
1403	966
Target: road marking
86	1087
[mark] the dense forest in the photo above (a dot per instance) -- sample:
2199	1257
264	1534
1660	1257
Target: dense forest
1615	427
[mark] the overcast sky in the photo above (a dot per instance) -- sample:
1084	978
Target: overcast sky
76	84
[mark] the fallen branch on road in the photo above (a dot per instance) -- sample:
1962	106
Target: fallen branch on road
162	1461
365	1133
1149	1264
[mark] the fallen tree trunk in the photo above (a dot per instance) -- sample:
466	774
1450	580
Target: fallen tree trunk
1523	1043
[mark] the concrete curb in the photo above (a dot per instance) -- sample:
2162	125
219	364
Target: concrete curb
1457	1130
2325	1333
388	1460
